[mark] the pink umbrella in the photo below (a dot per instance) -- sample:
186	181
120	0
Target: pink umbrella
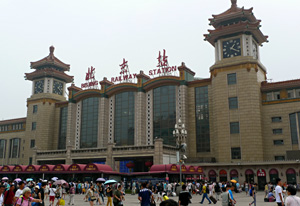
60	182
17	180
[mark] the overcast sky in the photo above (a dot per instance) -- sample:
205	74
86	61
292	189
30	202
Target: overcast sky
100	33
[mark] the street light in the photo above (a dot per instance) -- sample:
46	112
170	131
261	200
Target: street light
180	133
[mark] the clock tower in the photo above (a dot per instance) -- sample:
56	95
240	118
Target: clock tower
48	88
236	78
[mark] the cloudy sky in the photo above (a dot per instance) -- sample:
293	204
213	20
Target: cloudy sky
100	33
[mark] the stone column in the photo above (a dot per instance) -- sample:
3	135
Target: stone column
103	122
34	162
71	124
158	151
68	155
109	158
140	119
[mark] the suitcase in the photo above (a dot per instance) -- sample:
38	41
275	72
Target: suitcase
213	199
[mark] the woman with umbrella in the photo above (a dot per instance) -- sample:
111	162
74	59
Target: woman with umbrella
100	188
109	191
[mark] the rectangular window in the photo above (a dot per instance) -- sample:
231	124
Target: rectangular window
14	148
33	126
231	78
276	119
2	148
63	128
30	160
235	153
233	102
202	119
291	94
297	91
32	143
269	96
279	158
35	108
234	127
276	95
278	142
277	131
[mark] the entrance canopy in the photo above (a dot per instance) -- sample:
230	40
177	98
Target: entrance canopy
249	172
175	169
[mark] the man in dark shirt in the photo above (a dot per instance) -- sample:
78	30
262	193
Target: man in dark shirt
184	197
9	196
145	195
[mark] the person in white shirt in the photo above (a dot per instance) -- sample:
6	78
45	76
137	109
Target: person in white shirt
292	199
278	192
19	192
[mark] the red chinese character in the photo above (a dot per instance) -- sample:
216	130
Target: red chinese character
90	74
162	60
124	67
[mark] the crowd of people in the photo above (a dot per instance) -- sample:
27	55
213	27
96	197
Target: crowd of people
149	193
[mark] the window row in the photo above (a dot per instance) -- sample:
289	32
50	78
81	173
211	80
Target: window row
14	148
291	93
11	127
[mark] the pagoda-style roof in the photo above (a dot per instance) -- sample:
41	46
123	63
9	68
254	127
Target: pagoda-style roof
50	61
49	72
235	21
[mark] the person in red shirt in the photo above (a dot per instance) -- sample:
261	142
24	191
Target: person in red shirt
9	196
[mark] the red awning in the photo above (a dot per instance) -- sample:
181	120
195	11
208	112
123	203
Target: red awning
32	168
223	173
46	168
7	168
60	168
249	172
234	173
19	168
273	172
212	173
290	171
97	168
76	168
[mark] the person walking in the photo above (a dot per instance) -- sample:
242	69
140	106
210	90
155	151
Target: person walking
9	196
25	200
118	196
72	194
145	195
90	195
109	195
184	197
252	193
292	199
52	192
133	188
278	192
218	191
225	197
204	192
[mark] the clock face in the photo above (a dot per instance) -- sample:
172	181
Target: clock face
255	51
58	87
39	86
232	48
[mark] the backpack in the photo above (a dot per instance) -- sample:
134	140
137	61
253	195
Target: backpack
251	192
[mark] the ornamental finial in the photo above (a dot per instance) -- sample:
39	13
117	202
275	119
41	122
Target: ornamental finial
51	49
233	2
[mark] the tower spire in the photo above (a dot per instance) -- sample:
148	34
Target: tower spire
233	3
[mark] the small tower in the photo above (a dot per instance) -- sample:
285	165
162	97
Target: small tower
49	75
48	88
236	78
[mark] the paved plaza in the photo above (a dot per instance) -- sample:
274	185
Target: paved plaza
131	200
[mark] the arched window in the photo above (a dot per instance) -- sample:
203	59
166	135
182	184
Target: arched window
124	119
164	113
89	122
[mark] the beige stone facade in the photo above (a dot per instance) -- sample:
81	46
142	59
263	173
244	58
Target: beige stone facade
253	134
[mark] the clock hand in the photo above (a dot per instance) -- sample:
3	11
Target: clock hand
232	46
235	50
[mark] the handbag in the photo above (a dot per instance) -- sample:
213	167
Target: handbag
93	198
153	203
62	202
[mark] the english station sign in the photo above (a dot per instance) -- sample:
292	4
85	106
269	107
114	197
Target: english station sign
163	69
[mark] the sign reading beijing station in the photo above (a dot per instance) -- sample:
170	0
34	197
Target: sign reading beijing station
91	82
44	168
30	168
174	168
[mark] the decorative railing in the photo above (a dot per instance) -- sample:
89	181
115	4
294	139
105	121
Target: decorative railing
51	152
133	148
89	150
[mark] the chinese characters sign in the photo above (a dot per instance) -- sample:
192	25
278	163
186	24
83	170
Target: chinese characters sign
91	82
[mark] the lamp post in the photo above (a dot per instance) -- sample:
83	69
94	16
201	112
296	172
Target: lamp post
180	133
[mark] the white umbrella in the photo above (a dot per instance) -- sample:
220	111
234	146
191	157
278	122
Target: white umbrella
54	178
5	178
